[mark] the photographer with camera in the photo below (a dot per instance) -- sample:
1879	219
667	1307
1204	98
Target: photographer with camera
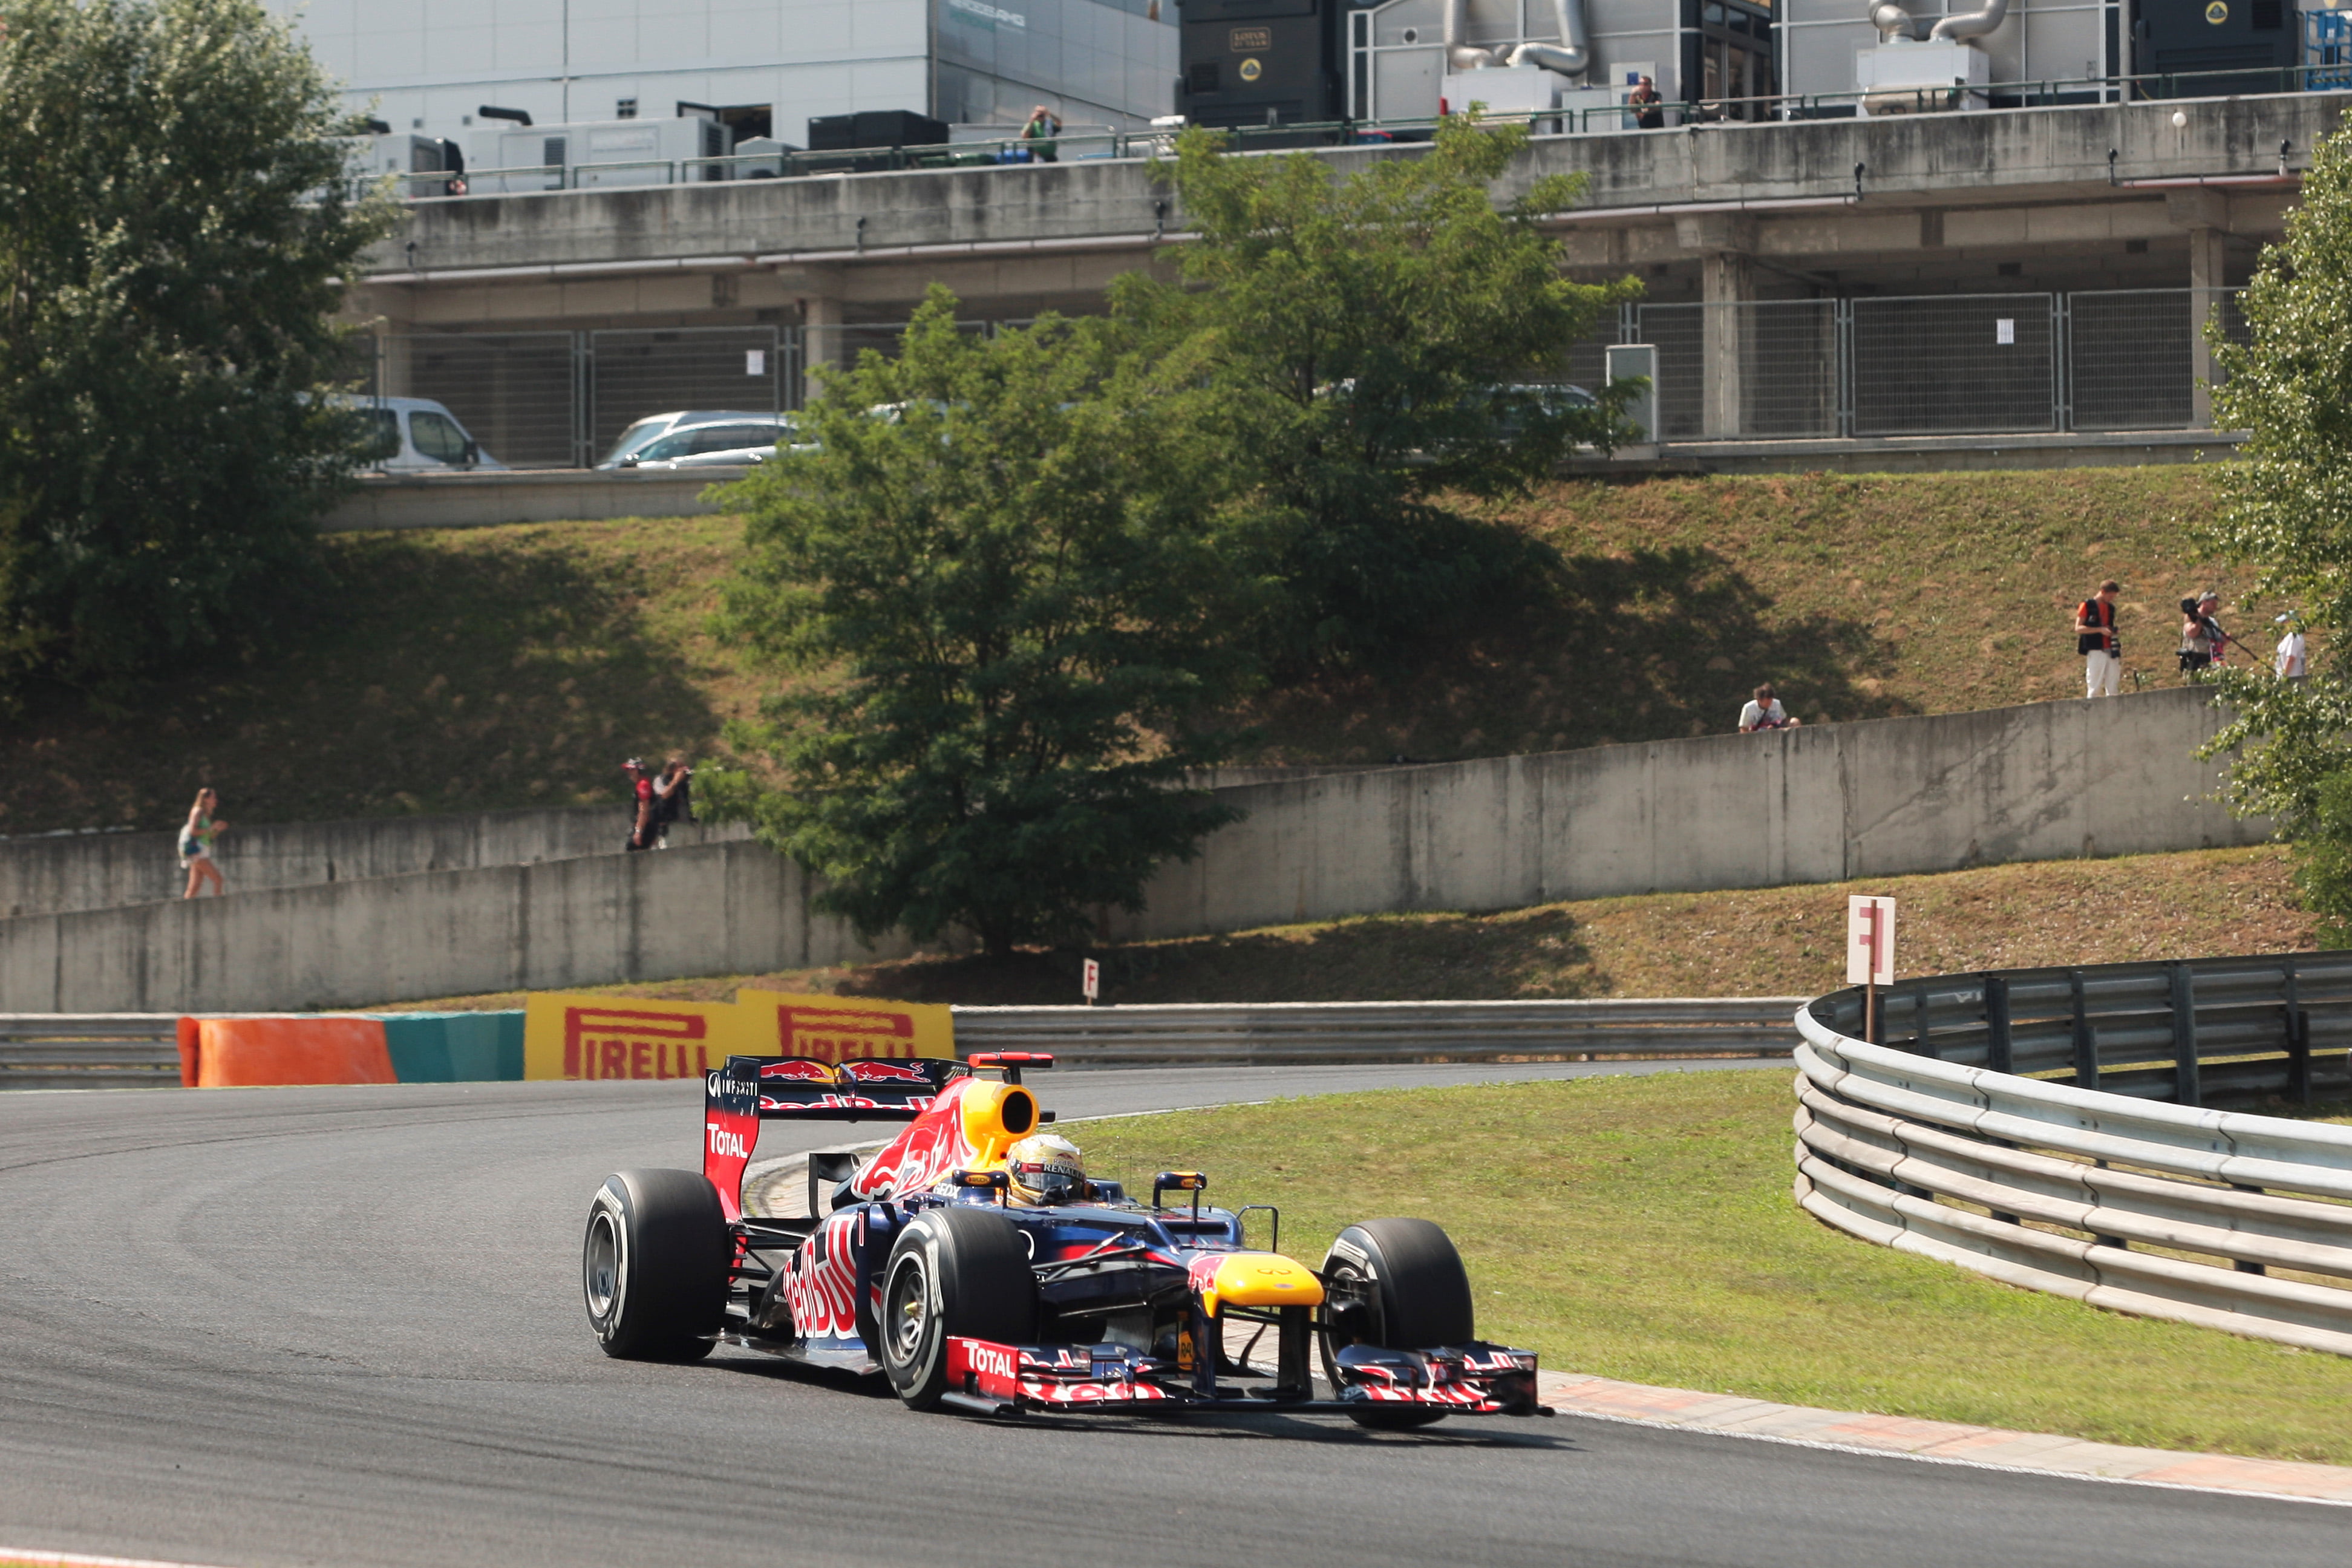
2095	640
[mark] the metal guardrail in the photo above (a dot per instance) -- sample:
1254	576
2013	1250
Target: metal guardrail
2230	1220
90	1051
1290	1033
60	1050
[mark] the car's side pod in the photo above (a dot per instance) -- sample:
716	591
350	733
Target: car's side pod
738	1096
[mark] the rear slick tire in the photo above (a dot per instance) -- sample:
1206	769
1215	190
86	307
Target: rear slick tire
1403	1288
954	1272
654	1265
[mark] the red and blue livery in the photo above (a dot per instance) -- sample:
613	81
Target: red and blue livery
915	1263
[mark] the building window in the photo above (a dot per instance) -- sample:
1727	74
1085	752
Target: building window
625	110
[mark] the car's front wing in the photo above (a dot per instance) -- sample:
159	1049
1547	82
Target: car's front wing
985	1377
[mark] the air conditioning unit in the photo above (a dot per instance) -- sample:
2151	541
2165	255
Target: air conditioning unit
598	153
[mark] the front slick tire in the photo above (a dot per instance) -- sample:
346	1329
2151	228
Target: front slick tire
653	1265
1406	1290
954	1272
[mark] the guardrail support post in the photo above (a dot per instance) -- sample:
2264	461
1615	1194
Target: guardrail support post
2097	1239
2298	1042
2185	1088
1920	1042
2240	1264
2086	1039
1998	1056
2298	1055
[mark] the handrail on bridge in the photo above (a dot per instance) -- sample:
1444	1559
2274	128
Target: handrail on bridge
1614	120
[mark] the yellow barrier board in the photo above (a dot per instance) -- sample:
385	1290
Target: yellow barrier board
579	1035
839	1028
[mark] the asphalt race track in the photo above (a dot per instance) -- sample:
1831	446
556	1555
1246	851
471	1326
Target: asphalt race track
343	1326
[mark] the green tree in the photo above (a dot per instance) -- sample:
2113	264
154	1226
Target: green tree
997	571
172	222
1375	341
2286	501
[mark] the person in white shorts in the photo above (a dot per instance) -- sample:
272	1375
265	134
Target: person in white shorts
2095	640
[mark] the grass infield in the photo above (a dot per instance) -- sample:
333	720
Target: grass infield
1642	1228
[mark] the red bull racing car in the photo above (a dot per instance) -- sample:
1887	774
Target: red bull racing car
994	1286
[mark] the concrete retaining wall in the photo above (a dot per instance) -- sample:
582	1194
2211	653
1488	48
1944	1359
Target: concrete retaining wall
1896	795
57	874
2048	780
718	909
556	495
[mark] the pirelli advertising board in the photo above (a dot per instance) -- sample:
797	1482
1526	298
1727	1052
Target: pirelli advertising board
582	1035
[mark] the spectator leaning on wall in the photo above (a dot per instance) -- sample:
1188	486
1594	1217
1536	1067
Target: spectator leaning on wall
2095	640
1765	712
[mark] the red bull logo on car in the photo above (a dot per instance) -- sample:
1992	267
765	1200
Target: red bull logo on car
859	1072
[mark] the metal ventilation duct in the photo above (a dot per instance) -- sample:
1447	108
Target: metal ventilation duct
1570	57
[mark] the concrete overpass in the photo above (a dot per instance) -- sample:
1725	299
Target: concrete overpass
1741	219
2097	196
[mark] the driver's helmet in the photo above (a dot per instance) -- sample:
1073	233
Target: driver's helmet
1045	1168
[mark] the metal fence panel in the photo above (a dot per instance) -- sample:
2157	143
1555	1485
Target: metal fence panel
1950	364
1678	332
636	373
1959	364
2130	353
513	392
1788	368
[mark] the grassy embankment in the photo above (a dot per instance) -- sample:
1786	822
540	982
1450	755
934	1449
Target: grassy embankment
1642	1228
1765	941
506	667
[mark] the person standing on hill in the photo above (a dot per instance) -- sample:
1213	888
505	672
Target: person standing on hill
2095	640
2290	660
673	798
641	792
197	837
2202	640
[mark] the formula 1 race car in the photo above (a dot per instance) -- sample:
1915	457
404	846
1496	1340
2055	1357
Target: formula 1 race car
919	1263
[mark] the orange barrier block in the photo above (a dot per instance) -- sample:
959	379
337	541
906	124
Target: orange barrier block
191	1044
244	1052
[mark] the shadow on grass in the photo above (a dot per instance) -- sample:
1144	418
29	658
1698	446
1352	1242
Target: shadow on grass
1398	958
1643	647
432	676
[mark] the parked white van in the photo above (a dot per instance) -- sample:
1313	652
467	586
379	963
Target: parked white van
416	434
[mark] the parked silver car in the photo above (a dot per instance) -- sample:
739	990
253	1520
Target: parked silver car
676	434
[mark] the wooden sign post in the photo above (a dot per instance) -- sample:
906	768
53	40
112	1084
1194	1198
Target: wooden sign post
1869	953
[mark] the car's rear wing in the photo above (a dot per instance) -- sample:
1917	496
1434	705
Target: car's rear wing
751	1090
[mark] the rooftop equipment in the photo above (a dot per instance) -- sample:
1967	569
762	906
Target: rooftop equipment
598	153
